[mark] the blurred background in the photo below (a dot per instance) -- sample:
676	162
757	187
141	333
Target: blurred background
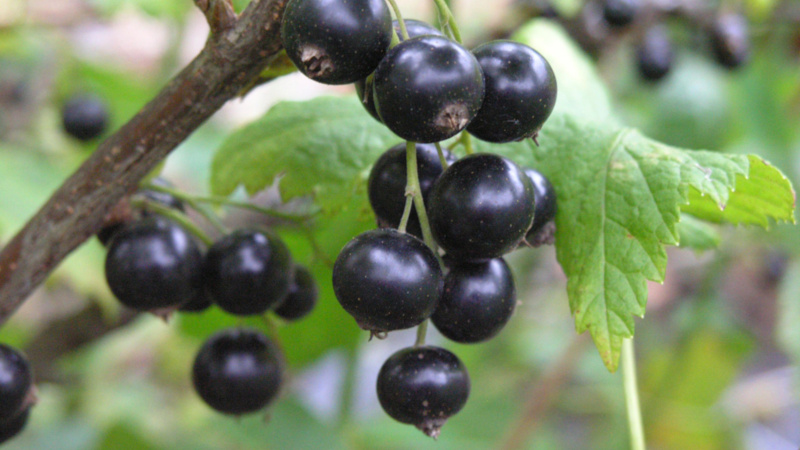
717	352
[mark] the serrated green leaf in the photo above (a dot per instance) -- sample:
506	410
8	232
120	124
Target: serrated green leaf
763	194
620	195
322	147
696	234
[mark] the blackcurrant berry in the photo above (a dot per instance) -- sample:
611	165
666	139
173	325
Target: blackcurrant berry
302	296
153	263
730	40
16	381
654	55
238	371
423	386
477	301
84	117
481	207
336	41
364	87
620	13
13	426
428	88
199	303
387	280
387	183
248	272
545	210
520	92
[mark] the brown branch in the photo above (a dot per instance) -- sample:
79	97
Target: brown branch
77	210
219	14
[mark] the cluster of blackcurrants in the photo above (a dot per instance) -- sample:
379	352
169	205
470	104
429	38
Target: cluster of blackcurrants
17	392
427	88
153	264
727	35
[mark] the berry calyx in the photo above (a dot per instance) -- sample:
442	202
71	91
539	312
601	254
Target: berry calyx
238	371
520	92
84	117
654	55
481	207
363	87
336	41
152	264
477	302
428	89
16	382
544	195
302	296
423	386
386	186
248	272
387	280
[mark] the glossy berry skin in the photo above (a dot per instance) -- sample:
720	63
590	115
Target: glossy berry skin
386	186
302	296
238	371
13	426
336	41
248	272
423	386
654	55
730	40
520	92
16	380
387	280
620	13
364	87
481	207
84	117
544	195
153	263
428	88
477	301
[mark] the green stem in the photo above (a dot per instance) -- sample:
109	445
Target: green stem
466	138
175	215
399	17
632	395
448	17
219	200
442	159
412	187
406	213
422	331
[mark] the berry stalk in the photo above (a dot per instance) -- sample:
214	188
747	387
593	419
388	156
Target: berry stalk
442	159
176	216
449	18
400	21
632	395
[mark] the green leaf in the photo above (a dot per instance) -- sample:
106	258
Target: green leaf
696	234
323	147
765	193
620	195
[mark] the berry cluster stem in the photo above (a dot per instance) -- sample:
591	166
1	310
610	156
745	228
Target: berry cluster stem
442	159
400	21
406	213
635	426
449	18
175	215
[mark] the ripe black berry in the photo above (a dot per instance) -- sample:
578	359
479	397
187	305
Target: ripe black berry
654	55
84	117
364	87
545	210
520	92
387	280
477	301
13	426
302	296
248	272
620	13
153	263
198	303
423	386
16	380
387	183
481	207
730	40
336	41
428	88
238	371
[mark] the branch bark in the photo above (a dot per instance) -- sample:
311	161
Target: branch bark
231	59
